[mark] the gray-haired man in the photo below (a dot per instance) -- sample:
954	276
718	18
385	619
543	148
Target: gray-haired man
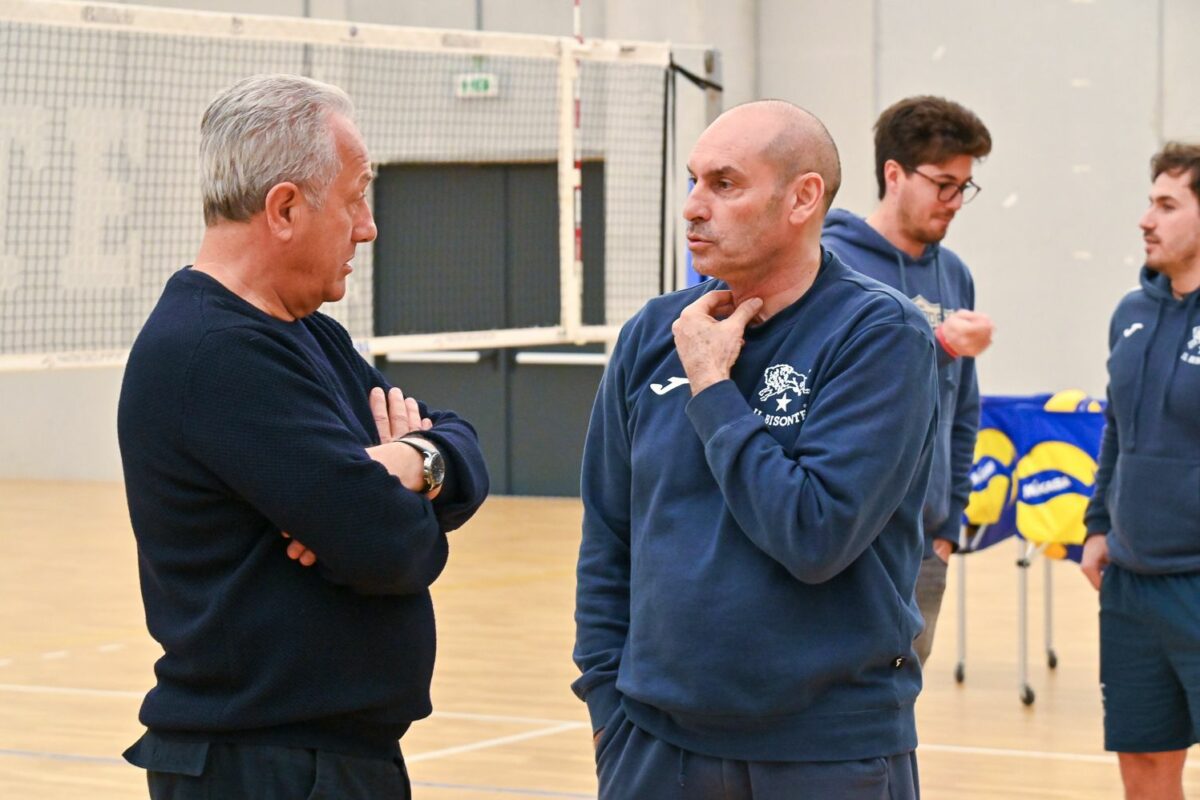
257	443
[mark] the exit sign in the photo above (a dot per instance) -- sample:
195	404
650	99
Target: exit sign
471	85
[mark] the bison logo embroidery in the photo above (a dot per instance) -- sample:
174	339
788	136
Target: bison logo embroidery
1187	355
782	378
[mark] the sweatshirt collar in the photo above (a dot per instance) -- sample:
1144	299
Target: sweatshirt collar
831	267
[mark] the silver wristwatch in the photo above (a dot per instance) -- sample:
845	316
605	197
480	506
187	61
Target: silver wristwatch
433	465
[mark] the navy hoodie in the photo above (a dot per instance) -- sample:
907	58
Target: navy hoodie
233	427
939	283
746	574
1147	496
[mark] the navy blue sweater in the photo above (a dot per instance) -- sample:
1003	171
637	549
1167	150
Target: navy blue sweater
233	427
1147	498
746	574
940	284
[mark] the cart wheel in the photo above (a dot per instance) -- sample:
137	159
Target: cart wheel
1051	659
960	672
1027	696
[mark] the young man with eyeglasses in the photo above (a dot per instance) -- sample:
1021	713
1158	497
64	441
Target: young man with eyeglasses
925	151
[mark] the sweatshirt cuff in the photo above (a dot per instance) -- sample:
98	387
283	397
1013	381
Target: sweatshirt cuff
1097	521
951	528
953	540
715	408
602	700
946	353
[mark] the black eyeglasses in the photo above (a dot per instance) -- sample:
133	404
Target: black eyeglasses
947	191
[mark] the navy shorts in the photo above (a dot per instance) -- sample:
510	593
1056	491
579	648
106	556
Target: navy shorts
631	763
1150	660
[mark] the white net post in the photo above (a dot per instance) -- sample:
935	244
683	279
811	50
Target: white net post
572	323
569	181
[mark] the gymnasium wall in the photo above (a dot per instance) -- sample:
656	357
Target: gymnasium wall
1078	95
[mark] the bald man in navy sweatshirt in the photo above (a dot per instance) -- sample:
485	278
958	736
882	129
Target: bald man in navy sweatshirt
753	479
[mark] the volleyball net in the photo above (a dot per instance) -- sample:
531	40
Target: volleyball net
99	191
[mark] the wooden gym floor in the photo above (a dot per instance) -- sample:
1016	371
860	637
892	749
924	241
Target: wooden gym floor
75	660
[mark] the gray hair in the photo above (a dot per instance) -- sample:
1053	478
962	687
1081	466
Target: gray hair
265	130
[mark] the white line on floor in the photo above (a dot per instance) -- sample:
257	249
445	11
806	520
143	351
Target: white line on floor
499	718
486	743
484	789
522	792
1042	755
560	726
61	756
34	689
24	689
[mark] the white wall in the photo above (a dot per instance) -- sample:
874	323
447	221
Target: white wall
1077	94
1180	66
60	424
1052	240
821	56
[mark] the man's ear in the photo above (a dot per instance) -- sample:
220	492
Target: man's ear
281	207
808	196
892	170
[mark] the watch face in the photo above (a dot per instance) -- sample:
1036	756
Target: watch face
437	470
433	465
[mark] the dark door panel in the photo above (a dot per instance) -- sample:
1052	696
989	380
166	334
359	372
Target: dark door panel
475	247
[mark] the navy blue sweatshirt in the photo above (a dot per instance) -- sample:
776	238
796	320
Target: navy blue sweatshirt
940	284
233	427
1147	498
746	574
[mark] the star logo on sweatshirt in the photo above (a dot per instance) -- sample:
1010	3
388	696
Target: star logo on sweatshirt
782	403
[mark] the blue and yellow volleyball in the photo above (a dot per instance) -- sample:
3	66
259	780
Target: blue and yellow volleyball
1054	481
991	477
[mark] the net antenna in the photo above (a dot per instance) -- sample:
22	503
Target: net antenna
99	130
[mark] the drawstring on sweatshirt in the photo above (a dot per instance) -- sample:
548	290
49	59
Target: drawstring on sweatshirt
1139	385
937	276
682	759
1157	287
